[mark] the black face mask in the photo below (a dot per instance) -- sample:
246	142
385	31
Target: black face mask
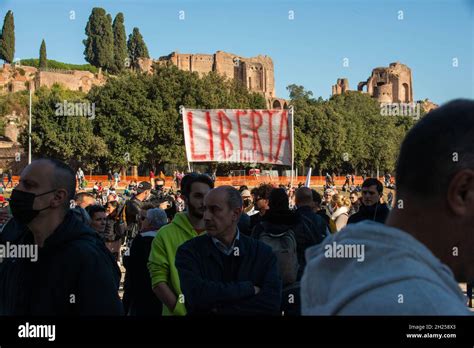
247	203
21	205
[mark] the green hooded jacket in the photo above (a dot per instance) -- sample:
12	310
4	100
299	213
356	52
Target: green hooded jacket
162	256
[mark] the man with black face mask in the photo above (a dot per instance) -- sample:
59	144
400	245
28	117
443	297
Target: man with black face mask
249	207
159	184
72	272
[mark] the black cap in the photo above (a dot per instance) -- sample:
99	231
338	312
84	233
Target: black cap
143	186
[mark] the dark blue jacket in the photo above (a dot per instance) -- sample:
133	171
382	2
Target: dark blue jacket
201	272
318	224
138	297
377	212
244	224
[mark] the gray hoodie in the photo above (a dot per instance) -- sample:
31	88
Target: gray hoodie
371	269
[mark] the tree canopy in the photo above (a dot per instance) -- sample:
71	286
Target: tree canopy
136	120
120	43
43	60
136	47
345	133
7	39
99	44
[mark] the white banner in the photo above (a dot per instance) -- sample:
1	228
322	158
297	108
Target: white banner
234	135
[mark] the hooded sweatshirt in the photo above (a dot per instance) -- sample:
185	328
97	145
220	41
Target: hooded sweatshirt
340	217
161	262
74	273
372	269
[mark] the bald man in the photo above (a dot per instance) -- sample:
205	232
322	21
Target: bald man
67	270
224	271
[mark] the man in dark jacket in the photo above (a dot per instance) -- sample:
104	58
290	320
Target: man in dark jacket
304	202
68	270
262	193
280	218
317	200
371	208
224	271
138	297
132	208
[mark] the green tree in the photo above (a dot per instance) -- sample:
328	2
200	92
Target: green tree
7	40
99	44
136	47
68	138
43	60
120	43
345	133
139	115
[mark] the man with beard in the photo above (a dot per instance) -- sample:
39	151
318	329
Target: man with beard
186	225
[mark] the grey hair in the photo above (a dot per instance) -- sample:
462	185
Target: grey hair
157	217
234	199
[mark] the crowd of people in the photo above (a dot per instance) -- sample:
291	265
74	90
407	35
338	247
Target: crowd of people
266	250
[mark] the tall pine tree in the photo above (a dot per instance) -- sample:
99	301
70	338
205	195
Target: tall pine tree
99	45
120	43
136	47
7	41
43	60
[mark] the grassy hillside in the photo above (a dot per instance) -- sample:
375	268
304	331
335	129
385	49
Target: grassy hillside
60	65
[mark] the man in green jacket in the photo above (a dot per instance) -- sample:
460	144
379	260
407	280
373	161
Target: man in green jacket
186	225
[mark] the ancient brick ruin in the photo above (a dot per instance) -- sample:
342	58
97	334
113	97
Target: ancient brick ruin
428	105
15	78
11	153
392	84
341	86
256	73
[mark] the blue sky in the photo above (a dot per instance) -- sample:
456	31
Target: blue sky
308	50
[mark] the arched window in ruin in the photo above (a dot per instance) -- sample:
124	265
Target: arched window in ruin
276	104
406	93
285	106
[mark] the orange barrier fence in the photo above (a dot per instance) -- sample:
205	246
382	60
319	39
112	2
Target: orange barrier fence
250	181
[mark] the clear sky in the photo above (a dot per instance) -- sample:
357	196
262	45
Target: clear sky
307	50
